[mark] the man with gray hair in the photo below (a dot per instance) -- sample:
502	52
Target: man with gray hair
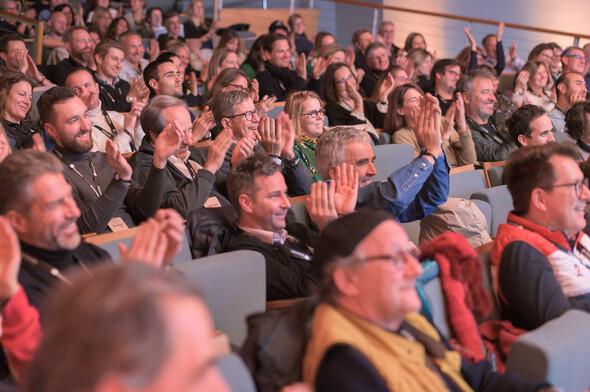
190	176
492	142
411	192
378	59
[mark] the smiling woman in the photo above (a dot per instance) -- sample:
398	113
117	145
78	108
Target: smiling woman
16	94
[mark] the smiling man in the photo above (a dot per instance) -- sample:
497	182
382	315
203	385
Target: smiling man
102	187
541	255
377	57
277	79
492	143
133	63
530	126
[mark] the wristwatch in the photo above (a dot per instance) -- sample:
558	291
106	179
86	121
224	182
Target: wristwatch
129	99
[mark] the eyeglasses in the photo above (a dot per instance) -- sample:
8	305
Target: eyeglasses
249	115
398	260
578	186
238	87
344	80
579	57
315	113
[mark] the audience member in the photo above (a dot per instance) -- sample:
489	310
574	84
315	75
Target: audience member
162	77
16	101
152	27
377	57
386	32
423	63
77	42
101	20
368	322
530	86
399	75
540	255
123	130
571	89
133	64
573	60
117	27
190	176
191	99
54	37
577	125
277	79
444	76
361	39
414	41
136	15
5	149
403	115
101	183
196	26
302	43
254	62
17	59
222	59
530	126
172	25
491	142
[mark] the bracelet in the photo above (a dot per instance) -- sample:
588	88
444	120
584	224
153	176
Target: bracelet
425	152
42	79
122	180
275	156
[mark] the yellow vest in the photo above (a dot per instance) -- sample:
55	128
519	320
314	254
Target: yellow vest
399	361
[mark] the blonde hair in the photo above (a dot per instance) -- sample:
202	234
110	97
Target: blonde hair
418	56
191	16
294	107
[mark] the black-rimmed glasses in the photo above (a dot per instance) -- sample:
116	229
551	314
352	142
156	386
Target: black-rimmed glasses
249	114
315	113
578	186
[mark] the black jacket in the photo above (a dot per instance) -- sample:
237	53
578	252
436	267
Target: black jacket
279	82
114	98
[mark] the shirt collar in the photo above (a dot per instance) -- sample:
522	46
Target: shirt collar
269	237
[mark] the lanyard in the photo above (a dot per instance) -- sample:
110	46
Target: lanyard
97	190
191	169
112	126
51	269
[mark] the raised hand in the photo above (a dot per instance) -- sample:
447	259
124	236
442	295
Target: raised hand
287	135
320	67
512	50
428	126
168	141
10	259
172	224
130	119
149	245
320	204
301	66
153	50
360	74
354	95
471	39
460	119
386	88
521	82
270	139
265	104
117	161
449	122
254	90
244	148
203	124
347	186
217	151
138	89
21	60
500	31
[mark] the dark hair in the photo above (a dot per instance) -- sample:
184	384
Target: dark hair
576	122
563	79
8	38
61	7
483	41
357	35
227	36
166	55
68	36
292	19
151	72
409	39
242	178
150	10
382	78
133	297
393	120
111	30
169	14
7	81
537	50
329	85
529	168
317	43
152	120
270	40
76	70
441	66
49	99
252	58
18	171
519	123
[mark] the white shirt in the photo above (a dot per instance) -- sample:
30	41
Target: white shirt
122	139
129	72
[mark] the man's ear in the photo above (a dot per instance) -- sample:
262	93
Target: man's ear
50	130
98	59
226	123
153	83
345	279
331	172
3	56
68	46
466	98
522	139
560	87
19	222
246	203
538	199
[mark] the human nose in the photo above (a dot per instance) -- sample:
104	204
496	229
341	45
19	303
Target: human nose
372	169
285	202
72	210
413	267
550	137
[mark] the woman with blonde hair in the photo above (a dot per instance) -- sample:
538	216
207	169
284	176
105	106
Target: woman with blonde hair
196	26
307	114
530	86
222	59
423	62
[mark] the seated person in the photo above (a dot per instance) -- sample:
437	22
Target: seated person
124	130
171	21
578	127
54	38
571	88
302	43
16	99
17	59
345	104
411	192
234	111
378	58
307	114
402	120
492	143
115	93
367	334
541	256
163	340
277	79
81	50
444	75
133	64
361	39
530	86
101	183
189	94
530	126
258	192
190	177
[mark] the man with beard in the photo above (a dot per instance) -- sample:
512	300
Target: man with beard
101	183
123	130
77	42
377	62
492	143
445	75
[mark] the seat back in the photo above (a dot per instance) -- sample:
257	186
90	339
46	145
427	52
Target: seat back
236	374
501	201
298	207
233	285
493	172
275	111
390	157
440	318
463	184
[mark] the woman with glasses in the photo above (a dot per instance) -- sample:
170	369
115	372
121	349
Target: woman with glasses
307	114
402	118
530	86
344	103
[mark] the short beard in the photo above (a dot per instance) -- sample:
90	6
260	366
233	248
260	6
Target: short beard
72	145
